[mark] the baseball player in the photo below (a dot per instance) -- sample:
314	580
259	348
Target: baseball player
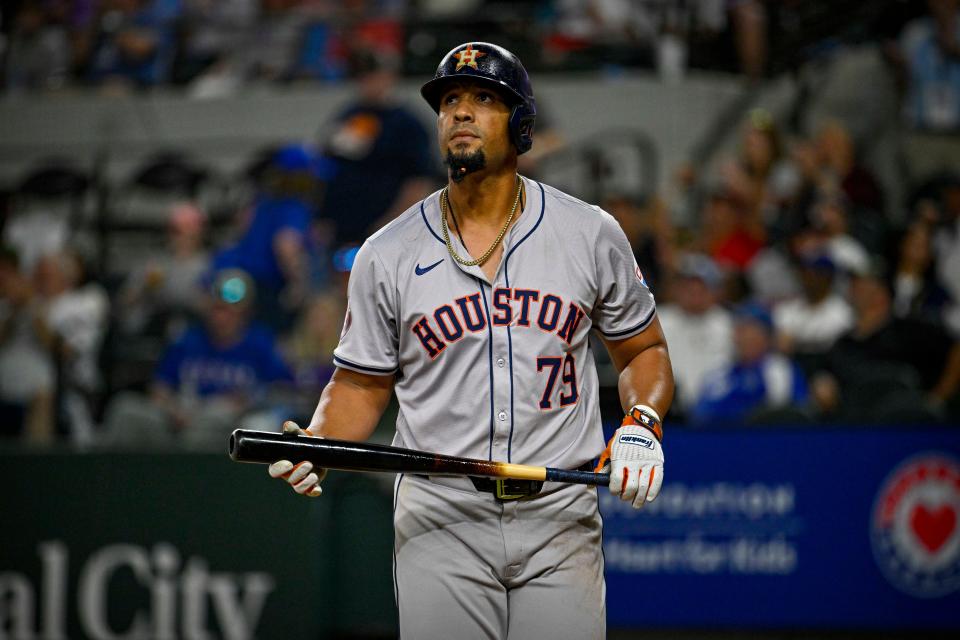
475	307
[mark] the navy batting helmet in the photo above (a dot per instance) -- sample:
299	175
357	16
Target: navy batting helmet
501	69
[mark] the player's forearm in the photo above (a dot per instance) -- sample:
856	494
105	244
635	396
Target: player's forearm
351	405
646	376
648	380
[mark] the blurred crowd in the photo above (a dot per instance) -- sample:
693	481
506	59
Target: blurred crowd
134	328
792	289
215	48
799	296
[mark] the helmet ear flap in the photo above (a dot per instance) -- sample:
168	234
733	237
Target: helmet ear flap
521	127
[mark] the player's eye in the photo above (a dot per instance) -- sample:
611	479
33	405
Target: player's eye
486	97
450	98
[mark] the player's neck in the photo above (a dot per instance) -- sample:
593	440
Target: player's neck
484	197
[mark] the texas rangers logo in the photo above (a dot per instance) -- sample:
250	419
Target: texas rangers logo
640	277
468	57
915	528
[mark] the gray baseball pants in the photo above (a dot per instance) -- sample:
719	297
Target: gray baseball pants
467	566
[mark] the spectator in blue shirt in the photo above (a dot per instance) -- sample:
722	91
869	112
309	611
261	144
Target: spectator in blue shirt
275	247
212	376
759	378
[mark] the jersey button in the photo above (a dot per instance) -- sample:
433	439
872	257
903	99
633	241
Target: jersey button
501	362
502	415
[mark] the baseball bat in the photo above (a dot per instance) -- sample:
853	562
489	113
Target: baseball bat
266	447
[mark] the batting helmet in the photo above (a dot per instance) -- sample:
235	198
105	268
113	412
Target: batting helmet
494	65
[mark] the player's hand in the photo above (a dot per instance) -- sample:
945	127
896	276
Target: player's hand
302	477
634	458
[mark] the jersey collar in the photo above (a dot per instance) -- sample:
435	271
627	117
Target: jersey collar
529	219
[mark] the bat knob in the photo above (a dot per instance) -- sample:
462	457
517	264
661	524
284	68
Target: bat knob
232	445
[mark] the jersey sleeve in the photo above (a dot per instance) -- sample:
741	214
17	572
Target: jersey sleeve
369	342
625	304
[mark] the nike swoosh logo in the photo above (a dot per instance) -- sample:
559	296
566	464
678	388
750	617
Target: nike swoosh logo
422	270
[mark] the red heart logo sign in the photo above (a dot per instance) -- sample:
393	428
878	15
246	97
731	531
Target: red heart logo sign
933	527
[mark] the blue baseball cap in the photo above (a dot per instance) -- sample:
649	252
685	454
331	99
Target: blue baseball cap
301	157
818	262
753	312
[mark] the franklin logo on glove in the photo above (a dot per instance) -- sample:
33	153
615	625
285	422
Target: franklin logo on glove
627	438
634	457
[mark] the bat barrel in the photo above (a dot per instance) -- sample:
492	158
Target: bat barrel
267	447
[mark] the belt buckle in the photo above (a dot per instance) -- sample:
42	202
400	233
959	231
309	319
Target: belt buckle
502	494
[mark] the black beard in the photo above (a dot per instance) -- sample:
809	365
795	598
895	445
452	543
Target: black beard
463	163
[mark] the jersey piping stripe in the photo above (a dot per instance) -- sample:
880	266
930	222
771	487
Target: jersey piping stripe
353	365
490	359
642	325
396	590
510	356
535	226
423	214
506	275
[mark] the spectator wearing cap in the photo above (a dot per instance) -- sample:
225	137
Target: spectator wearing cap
207	379
380	151
758	379
809	324
881	350
275	246
698	329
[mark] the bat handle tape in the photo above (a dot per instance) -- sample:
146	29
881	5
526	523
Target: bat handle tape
577	477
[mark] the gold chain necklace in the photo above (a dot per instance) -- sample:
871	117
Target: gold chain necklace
489	252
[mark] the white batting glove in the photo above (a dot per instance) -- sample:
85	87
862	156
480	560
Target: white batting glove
636	458
301	476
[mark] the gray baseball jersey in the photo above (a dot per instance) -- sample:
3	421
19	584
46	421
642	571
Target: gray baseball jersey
501	370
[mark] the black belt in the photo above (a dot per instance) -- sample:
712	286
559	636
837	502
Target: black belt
506	489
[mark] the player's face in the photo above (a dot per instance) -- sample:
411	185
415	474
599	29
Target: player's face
474	119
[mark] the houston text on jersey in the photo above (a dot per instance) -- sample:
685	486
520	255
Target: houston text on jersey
450	322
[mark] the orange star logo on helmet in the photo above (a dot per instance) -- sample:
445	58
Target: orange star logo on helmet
468	57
